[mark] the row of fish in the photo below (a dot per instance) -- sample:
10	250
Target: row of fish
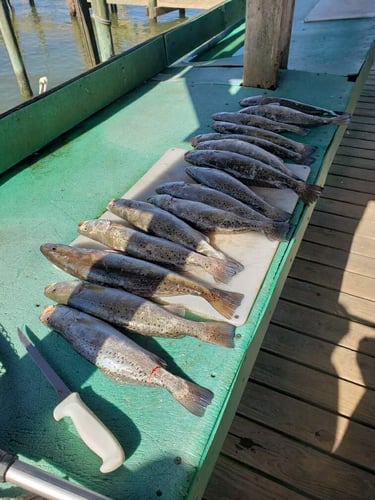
169	235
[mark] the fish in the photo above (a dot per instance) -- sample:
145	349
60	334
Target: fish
153	220
214	220
121	359
253	120
154	249
286	115
290	103
135	313
107	267
281	140
220	180
217	199
271	147
251	150
253	172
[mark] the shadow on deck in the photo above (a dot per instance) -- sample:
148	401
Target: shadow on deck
305	425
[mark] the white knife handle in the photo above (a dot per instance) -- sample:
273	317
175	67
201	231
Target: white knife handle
92	431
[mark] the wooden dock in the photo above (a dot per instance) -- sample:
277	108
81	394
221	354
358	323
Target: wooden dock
305	425
155	8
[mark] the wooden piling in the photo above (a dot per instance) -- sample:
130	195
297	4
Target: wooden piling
268	26
103	29
14	52
86	29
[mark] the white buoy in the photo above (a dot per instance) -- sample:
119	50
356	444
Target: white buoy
43	81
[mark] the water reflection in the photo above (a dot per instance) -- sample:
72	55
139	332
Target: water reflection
51	43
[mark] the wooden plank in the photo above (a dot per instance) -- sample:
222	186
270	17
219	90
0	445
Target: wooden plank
314	387
331	221
233	480
175	4
339	207
295	464
354	172
351	184
340	259
360	134
326	326
329	301
357	143
331	433
294	346
356	197
335	239
362	125
357	152
334	279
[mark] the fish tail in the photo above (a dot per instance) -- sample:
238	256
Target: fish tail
306	160
308	192
308	150
217	332
277	231
223	270
194	140
343	119
225	302
302	131
193	397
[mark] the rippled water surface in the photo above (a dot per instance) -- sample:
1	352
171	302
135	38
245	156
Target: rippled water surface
51	44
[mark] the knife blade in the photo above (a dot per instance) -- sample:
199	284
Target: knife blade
90	428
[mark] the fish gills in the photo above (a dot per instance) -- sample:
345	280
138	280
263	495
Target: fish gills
121	359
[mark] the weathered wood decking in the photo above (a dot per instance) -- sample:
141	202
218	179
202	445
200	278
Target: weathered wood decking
305	425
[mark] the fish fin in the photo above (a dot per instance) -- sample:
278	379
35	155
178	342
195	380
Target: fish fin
223	270
224	301
177	309
218	332
159	361
308	149
343	119
309	192
302	131
193	397
277	231
194	140
306	160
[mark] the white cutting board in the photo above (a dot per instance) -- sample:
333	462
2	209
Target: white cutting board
254	250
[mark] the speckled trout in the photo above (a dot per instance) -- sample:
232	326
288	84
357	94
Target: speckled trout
285	115
153	220
271	147
290	103
135	313
154	249
107	267
281	140
217	199
220	180
256	120
121	359
253	172
214	220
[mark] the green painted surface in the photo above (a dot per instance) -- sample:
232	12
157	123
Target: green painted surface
42	200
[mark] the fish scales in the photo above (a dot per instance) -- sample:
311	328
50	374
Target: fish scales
218	199
290	103
271	147
256	120
106	267
213	220
135	313
286	115
252	171
236	128
121	359
222	181
152	248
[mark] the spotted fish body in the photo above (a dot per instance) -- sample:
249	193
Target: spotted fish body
218	199
222	181
214	220
153	220
256	120
154	249
284	114
135	276
236	128
271	147
121	359
290	103
252	171
135	313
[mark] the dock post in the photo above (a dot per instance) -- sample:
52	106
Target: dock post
103	29
152	4
14	52
82	14
268	26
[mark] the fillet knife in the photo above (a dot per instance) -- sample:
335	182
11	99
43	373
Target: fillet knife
90	429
